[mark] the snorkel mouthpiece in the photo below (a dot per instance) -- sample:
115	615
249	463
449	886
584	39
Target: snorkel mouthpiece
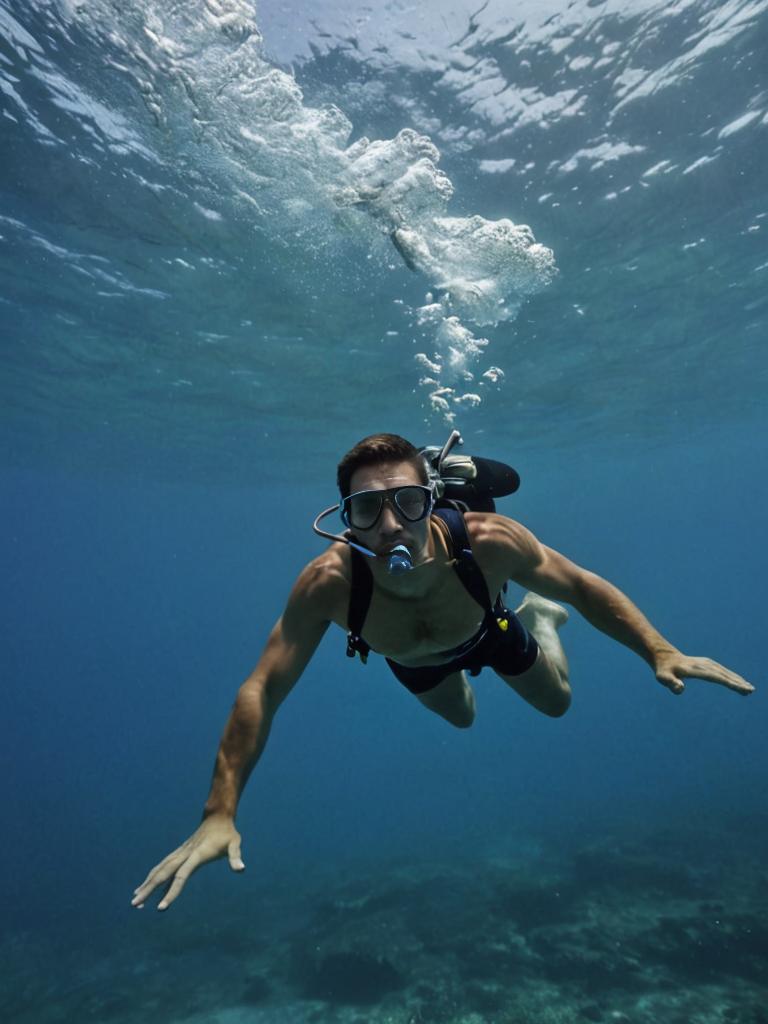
400	561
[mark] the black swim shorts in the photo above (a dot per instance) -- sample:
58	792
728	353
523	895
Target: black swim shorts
510	652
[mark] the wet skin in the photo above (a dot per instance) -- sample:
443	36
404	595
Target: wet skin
412	618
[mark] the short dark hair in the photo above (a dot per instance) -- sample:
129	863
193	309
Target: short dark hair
375	449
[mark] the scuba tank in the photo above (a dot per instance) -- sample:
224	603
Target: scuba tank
467	482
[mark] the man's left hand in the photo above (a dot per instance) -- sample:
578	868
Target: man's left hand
673	667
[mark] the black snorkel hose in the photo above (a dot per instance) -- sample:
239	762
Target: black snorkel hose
339	536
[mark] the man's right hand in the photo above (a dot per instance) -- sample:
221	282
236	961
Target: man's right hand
217	837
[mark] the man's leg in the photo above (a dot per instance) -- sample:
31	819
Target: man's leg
453	700
545	684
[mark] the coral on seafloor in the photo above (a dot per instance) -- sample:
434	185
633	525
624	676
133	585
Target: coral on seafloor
608	933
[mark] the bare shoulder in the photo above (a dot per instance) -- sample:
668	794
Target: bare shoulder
505	548
322	587
500	542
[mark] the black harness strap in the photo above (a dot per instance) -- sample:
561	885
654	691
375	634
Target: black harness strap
466	567
360	590
361	583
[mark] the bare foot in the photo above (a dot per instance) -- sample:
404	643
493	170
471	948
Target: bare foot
539	611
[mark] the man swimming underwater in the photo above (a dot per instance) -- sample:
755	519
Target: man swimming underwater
424	587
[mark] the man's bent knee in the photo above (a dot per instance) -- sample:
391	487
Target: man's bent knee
460	714
462	718
453	700
543	686
557	703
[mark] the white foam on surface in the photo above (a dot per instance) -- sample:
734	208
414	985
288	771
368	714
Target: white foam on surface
496	166
202	72
600	154
739	124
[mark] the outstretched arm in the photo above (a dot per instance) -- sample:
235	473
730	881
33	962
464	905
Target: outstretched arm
291	644
547	572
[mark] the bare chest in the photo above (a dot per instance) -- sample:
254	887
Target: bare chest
416	629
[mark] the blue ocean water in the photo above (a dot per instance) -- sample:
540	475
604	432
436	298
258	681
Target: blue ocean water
234	241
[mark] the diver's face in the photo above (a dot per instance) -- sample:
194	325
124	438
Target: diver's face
390	528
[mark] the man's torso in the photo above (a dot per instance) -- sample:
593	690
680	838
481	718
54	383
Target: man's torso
418	630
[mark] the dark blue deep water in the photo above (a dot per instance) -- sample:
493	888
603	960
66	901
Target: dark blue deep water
201	309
